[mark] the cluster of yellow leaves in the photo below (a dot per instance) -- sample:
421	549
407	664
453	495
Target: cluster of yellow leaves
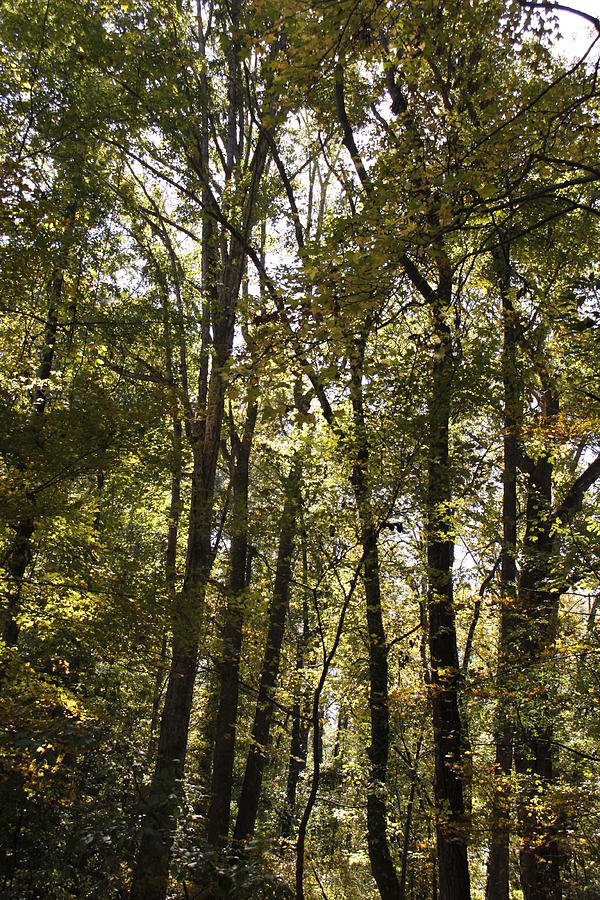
39	720
560	429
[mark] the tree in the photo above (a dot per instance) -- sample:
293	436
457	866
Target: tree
298	351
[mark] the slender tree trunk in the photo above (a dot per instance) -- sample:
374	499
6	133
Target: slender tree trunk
174	513
204	434
409	812
19	554
317	746
208	730
382	866
317	742
251	786
297	763
300	712
537	606
221	280
497	885
452	825
152	868
224	748
157	693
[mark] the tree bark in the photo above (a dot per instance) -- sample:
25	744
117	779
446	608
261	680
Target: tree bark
382	866
222	267
300	711
152	868
251	786
174	512
207	732
452	825
409	812
19	554
317	742
497	885
203	433
537	606
224	748
537	610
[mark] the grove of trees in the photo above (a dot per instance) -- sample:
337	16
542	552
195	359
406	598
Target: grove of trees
300	450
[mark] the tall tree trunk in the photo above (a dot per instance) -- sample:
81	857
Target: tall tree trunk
152	868
537	606
317	742
300	711
414	775
224	748
174	511
497	885
207	732
251	786
19	554
170	566
382	866
203	433
221	280
452	824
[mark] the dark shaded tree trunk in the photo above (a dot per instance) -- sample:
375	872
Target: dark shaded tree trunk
452	825
20	552
537	607
497	885
224	748
382	866
174	513
208	730
409	814
152	869
252	783
159	679
300	712
297	763
203	433
317	745
222	267
537	611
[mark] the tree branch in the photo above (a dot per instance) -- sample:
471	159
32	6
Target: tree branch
348	135
574	497
561	7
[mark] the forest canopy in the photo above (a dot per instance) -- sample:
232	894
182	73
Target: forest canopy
299	450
